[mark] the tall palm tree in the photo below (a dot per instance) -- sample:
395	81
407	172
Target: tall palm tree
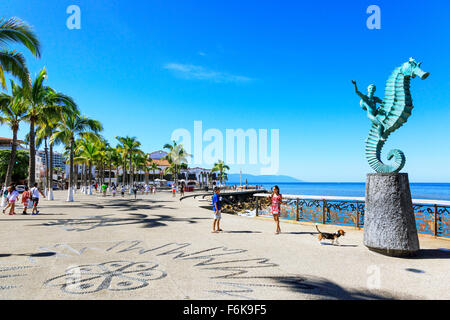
153	167
14	30
221	167
89	149
44	101
102	145
13	110
176	156
140	163
46	128
111	157
128	146
66	132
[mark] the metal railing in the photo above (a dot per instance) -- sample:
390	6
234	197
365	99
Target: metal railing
432	217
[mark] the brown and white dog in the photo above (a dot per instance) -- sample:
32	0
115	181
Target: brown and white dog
331	236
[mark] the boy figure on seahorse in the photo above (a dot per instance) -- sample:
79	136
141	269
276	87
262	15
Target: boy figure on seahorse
392	113
369	103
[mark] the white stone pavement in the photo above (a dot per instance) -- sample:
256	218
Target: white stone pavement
157	247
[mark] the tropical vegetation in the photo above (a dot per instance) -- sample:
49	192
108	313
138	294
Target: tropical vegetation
54	118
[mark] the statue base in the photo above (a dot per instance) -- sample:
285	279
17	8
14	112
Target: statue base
389	221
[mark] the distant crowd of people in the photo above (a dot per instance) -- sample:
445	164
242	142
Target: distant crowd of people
135	189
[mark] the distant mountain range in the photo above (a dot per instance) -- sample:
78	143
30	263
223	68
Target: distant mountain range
234	178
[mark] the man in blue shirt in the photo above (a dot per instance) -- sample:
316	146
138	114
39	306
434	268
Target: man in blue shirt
217	203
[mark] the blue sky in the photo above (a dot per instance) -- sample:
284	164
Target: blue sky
146	68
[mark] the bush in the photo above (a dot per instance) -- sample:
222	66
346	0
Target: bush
20	170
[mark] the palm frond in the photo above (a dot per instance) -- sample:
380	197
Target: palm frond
14	63
16	30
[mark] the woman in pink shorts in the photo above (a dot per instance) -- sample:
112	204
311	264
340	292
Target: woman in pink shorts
276	199
12	198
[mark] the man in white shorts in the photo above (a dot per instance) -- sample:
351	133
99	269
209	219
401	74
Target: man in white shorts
217	204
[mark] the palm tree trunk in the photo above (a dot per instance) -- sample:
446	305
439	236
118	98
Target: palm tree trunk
124	175
131	173
32	160
12	159
71	164
46	163
50	185
70	191
85	177
90	177
110	168
75	177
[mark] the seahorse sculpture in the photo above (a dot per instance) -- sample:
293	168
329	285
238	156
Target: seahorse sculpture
393	112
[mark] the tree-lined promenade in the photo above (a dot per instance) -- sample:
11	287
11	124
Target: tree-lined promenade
54	118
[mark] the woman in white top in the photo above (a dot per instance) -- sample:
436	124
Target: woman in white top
12	198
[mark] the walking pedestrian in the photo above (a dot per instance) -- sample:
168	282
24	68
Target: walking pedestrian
174	190
35	191
25	199
104	187
217	203
135	189
12	198
182	190
276	199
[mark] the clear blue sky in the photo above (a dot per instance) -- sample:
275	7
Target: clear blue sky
146	68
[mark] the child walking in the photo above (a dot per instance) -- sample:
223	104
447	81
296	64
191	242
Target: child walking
276	199
174	190
25	199
217	202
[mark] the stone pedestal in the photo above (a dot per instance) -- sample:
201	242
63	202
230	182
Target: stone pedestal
389	222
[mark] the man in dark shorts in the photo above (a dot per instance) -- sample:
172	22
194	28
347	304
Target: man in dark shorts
35	191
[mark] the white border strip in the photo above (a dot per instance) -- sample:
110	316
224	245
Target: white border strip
310	197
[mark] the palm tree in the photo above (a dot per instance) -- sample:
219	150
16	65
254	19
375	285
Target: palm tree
137	160
102	145
128	146
89	150
140	163
221	167
66	132
153	167
176	156
46	128
14	30
111	157
14	110
43	101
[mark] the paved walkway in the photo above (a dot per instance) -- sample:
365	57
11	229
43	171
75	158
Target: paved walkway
157	247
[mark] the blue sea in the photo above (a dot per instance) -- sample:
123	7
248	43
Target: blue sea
431	191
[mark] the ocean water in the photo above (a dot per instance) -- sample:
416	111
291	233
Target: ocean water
431	191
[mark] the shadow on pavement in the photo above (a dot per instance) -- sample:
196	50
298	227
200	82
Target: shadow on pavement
94	222
242	231
433	254
34	255
326	289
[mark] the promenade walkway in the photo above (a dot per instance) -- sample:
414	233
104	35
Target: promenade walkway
157	247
